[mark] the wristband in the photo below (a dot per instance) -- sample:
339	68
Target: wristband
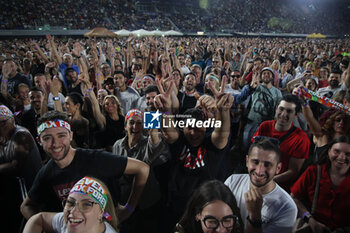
4	80
129	208
90	89
306	216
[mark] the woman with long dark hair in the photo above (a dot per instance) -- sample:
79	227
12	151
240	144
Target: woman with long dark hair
211	208
80	125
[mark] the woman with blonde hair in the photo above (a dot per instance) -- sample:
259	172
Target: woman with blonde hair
88	208
275	66
114	117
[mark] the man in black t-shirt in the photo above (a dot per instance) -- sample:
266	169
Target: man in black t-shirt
196	156
12	78
68	165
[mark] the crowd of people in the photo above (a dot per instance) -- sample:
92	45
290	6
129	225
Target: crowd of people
279	16
73	109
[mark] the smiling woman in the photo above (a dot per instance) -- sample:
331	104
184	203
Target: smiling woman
212	208
332	206
87	208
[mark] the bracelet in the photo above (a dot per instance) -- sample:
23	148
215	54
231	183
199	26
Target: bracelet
129	208
4	80
306	216
305	213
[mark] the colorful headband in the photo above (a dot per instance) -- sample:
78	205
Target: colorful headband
146	77
310	62
215	78
133	112
5	112
93	189
53	124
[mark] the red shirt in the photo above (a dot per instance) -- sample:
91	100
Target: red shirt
333	204
322	83
297	145
249	77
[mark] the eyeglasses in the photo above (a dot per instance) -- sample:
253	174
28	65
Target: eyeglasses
84	206
215	62
235	76
211	222
275	141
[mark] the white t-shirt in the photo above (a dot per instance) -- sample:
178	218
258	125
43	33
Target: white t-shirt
278	212
127	97
59	226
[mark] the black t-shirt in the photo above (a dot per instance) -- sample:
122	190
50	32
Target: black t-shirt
113	131
52	183
190	167
186	101
29	120
13	83
76	89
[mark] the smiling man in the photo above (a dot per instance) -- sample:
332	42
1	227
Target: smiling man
187	98
68	165
294	143
264	205
147	149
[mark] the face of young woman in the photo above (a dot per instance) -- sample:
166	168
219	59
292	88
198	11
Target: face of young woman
339	155
70	107
341	124
217	216
82	214
110	106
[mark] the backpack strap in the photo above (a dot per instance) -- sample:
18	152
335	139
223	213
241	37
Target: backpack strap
284	137
317	189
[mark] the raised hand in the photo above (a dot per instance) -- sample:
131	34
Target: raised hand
163	100
255	80
253	201
6	70
223	100
207	103
131	37
77	49
55	86
48	37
